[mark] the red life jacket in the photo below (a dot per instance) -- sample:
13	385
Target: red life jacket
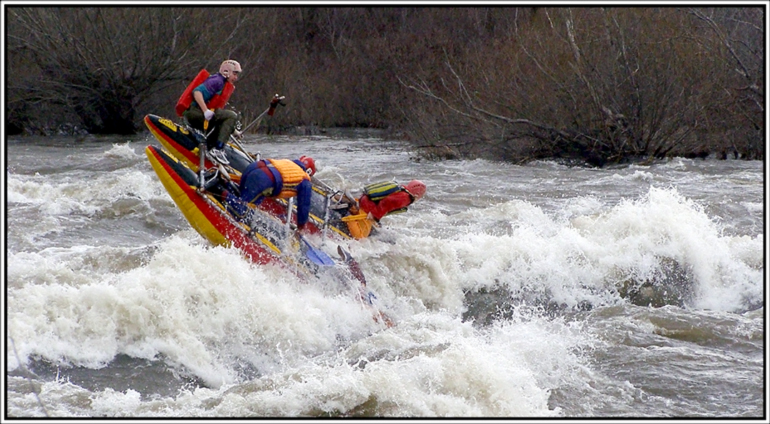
216	102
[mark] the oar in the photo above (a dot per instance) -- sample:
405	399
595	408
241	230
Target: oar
352	264
366	297
242	149
289	210
206	126
202	151
202	155
315	255
277	100
258	119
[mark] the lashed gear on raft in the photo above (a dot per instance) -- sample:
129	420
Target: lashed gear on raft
359	225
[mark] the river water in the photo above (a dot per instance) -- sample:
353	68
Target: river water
536	291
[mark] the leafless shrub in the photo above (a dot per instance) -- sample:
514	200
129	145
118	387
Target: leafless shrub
596	84
102	64
600	84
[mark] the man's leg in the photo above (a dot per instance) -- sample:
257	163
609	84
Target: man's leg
194	115
226	121
253	187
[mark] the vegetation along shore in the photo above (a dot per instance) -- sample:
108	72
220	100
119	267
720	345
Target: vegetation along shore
592	85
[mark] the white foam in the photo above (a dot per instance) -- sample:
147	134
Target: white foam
408	371
571	256
188	303
308	350
81	196
123	152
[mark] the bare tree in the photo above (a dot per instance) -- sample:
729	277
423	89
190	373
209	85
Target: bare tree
595	84
103	63
740	34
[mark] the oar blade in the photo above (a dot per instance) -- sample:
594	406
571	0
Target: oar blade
316	255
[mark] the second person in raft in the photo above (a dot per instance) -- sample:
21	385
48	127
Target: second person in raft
205	99
379	200
281	178
386	198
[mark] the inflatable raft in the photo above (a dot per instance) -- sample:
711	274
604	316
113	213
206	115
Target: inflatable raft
268	237
329	211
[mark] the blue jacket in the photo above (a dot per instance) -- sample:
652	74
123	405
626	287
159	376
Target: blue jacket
259	181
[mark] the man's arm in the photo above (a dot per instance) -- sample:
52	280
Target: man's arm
390	203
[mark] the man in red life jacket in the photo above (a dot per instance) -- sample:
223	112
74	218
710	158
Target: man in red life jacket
397	199
282	178
205	101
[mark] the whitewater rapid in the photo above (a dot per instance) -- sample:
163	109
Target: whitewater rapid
506	283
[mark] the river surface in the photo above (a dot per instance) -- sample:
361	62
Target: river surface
535	291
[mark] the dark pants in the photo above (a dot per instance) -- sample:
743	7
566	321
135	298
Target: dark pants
256	185
223	124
